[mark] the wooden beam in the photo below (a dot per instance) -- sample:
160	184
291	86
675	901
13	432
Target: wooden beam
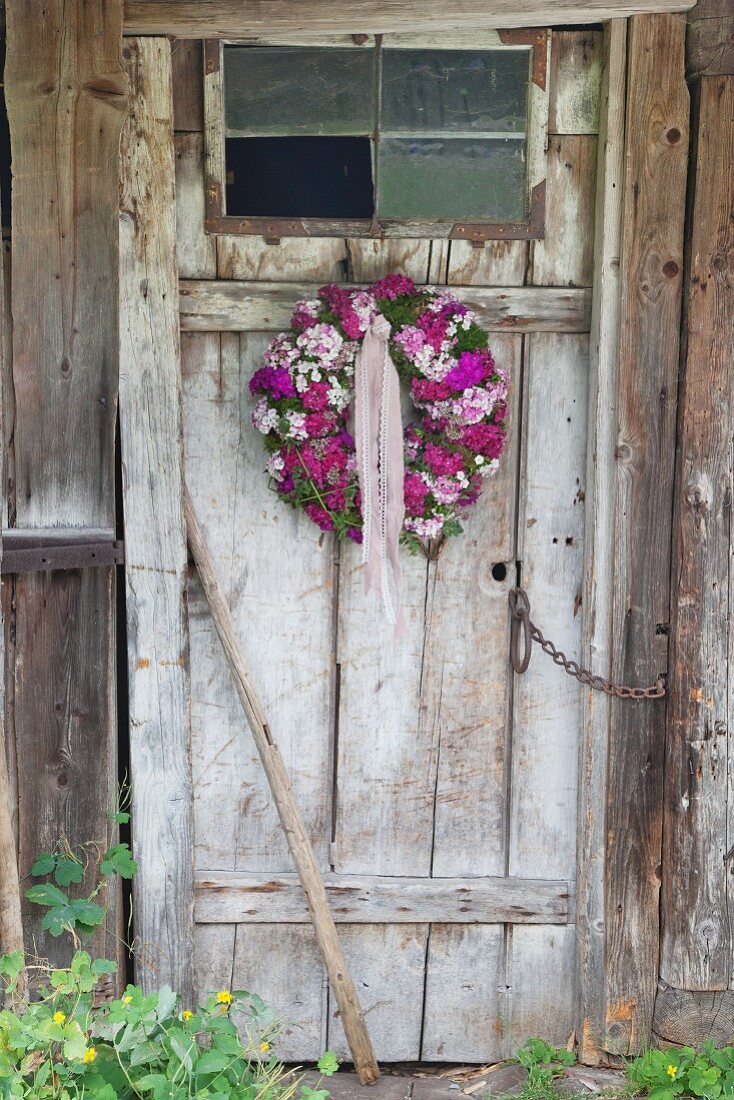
11	921
151	437
236	897
249	19
66	112
710	39
656	153
689	1018
599	548
224	305
697	906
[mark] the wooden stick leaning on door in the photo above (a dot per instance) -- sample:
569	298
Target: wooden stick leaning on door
299	843
11	926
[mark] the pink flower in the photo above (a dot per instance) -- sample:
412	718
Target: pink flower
319	516
442	461
415	491
393	285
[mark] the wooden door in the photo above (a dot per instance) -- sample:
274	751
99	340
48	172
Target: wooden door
439	790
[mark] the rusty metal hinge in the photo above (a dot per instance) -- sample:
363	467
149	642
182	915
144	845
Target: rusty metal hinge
45	549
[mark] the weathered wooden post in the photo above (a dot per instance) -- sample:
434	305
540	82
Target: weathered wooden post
67	100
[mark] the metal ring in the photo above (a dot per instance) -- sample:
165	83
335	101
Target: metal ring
520	615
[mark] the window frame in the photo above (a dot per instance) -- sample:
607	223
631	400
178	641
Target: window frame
217	221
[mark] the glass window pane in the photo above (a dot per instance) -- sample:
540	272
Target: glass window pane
452	178
286	90
455	91
299	177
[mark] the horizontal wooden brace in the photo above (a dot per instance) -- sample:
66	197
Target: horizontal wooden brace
237	897
224	305
250	19
34	550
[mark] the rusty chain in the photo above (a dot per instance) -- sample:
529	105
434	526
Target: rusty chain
520	612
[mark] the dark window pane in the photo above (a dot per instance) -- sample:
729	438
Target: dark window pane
464	91
280	90
299	177
481	180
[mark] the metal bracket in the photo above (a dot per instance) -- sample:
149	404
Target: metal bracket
46	549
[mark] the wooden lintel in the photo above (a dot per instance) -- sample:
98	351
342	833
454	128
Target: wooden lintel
251	19
209	305
237	897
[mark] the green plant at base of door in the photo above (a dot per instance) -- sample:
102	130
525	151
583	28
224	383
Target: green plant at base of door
667	1074
63	1046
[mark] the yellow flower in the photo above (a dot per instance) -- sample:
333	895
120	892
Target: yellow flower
224	997
672	1071
59	1017
89	1055
186	1014
264	1048
127	1000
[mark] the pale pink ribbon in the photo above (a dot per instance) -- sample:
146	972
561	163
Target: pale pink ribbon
378	433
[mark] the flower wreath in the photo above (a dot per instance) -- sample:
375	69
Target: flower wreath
304	390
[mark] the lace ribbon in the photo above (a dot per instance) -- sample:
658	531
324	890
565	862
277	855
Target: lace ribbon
378	434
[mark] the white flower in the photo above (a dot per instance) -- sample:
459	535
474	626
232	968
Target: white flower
322	342
338	396
296	425
275	466
264	418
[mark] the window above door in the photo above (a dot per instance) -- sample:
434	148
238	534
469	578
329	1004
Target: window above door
370	137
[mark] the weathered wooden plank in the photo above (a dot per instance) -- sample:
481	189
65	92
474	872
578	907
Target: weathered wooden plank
652	258
371	259
196	250
541	980
239	897
254	538
220	305
696	937
385	958
253	548
65	364
497	263
252	18
283	963
565	255
575	80
8	395
11	922
188	85
151	438
546	702
599	549
464	1002
710	39
465	702
384	784
292	259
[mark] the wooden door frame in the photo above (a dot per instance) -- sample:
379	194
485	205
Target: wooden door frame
631	454
608	963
